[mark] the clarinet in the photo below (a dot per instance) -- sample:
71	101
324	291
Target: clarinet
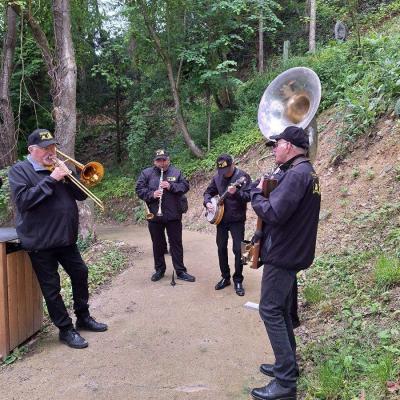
159	212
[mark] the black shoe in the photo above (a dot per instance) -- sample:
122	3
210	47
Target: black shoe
223	283
185	276
239	289
274	391
90	324
157	276
267	369
73	339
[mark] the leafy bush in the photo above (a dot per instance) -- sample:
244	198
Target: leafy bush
115	186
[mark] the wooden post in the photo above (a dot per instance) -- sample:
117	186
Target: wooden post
21	304
4	332
286	45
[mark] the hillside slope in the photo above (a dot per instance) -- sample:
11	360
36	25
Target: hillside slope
358	196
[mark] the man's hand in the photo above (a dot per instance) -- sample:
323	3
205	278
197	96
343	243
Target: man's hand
232	189
157	194
210	207
260	185
165	185
60	172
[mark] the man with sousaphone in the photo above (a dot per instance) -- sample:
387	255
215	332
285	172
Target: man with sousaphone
287	203
226	199
47	225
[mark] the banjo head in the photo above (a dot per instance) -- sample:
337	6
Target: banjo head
212	215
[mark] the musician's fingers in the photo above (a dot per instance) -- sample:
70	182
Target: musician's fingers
165	185
157	194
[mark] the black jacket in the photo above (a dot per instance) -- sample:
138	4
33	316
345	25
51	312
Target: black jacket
235	205
171	205
290	216
47	214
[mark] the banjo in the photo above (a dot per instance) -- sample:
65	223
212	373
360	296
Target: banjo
215	216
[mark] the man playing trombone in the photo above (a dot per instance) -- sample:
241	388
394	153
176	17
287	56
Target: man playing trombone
162	188
47	225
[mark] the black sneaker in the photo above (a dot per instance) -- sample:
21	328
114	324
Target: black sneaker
157	276
185	276
73	339
90	324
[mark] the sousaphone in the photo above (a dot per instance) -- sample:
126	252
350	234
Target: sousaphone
292	98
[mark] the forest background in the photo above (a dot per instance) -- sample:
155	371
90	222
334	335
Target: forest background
116	80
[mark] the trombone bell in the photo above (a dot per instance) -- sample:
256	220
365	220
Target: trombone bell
92	173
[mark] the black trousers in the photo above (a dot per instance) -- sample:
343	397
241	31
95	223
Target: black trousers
174	232
275	310
45	264
237	232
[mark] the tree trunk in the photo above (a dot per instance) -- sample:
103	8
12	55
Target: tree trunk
313	22
8	137
61	67
208	102
64	107
261	41
175	94
181	122
118	122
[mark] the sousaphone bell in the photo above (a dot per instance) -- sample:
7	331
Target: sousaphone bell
292	98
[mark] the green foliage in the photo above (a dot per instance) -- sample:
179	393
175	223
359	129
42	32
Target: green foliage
313	293
16	354
115	186
5	198
387	271
84	243
361	352
244	134
112	261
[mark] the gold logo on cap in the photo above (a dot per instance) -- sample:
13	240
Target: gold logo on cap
222	164
160	152
45	135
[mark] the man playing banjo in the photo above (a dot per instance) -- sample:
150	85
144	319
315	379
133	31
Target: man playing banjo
231	184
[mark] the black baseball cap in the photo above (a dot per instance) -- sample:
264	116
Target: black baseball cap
293	134
41	138
161	154
224	161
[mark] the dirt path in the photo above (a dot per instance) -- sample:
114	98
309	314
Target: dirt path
163	342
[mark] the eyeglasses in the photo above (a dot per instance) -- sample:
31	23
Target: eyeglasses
277	144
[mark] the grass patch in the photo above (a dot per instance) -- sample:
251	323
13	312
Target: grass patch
387	271
313	293
357	349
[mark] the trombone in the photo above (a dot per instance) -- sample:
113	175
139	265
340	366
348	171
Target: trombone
91	174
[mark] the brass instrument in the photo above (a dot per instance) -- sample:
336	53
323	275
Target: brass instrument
292	98
159	212
149	214
87	169
91	173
